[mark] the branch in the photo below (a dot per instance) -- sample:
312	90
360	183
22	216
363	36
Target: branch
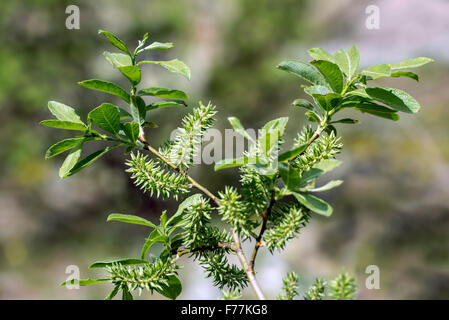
238	247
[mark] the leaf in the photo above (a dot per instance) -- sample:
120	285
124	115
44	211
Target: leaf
89	160
132	73
118	59
115	41
123	262
314	204
293	153
106	86
304	71
346	121
332	73
154	237
228	163
303	103
163	93
129	218
84	282
408	74
158	46
410	63
126	295
123	114
377	110
378	71
62	146
131	130
71	159
321	54
107	117
138	109
182	206
237	125
328	186
172	289
67	125
312	116
63	112
394	98
289	175
319	169
113	293
164	104
348	61
270	134
175	66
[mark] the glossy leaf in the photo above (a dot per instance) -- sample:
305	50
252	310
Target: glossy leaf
88	160
293	153
132	73
410	63
63	112
158	46
290	176
107	117
123	262
304	71
346	121
129	218
238	127
228	163
319	169
163	93
172	289
113	293
377	110
62	146
407	74
303	103
164	104
328	186
138	109
321	54
131	130
332	73
175	66
314	204
106	86
67	125
71	159
154	237
115	41
394	98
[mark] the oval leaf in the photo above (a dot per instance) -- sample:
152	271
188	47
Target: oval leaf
304	71
394	98
106	86
107	117
314	204
67	125
163	93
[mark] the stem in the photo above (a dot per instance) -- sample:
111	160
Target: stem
238	247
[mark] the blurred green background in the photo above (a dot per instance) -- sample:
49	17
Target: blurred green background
392	211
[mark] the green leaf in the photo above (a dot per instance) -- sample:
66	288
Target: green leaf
115	41
304	71
332	73
124	262
89	160
410	63
237	125
377	110
84	282
154	237
129	218
67	125
173	221
394	98
118	59
348	61
164	104
62	146
106	86
138	109
63	112
378	71
407	74
228	163
289	175
314	204
163	93
312	116
270	135
303	103
123	114
172	289
132	73
71	159
328	186
321	54
158	46
319	169
107	117
175	66
126	295
113	293
293	153
131	130
346	121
